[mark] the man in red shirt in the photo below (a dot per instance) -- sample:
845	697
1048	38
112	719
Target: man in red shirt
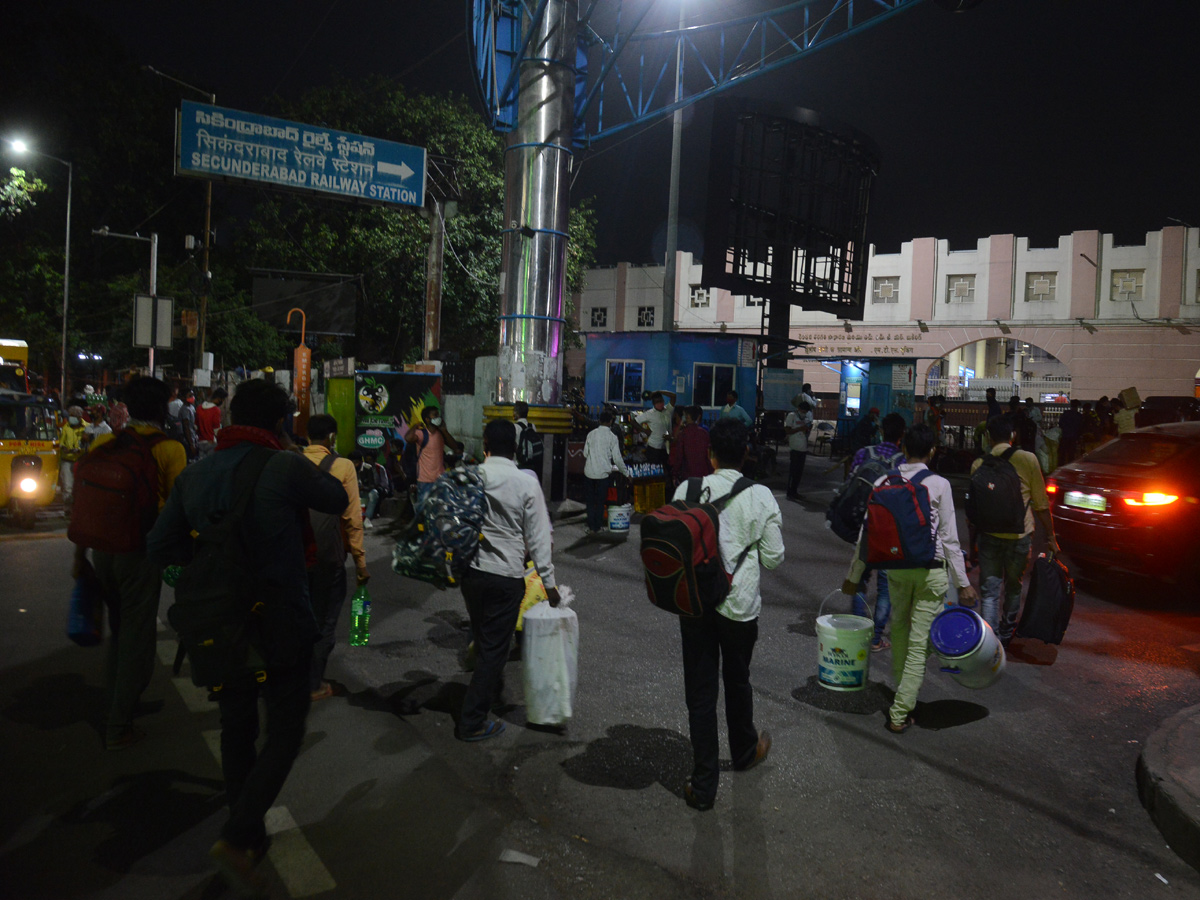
689	449
208	421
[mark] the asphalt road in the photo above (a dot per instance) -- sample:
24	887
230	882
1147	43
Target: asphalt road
1025	789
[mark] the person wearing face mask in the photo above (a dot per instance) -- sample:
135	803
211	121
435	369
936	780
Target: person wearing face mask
433	438
70	448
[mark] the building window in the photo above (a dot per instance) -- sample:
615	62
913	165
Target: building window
1127	284
699	297
599	317
645	317
960	289
710	384
886	290
1040	287
624	381
752	301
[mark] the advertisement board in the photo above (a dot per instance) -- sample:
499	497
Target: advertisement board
228	144
387	404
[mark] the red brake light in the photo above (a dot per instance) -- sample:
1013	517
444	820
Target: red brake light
1152	498
1051	486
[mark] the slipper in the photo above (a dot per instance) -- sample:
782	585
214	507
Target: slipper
881	644
909	721
324	692
489	730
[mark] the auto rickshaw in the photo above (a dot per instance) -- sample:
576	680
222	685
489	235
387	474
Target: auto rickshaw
28	455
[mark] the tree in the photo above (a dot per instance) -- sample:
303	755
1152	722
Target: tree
17	193
387	247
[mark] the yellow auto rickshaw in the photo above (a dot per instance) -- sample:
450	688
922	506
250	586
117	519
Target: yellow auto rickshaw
28	455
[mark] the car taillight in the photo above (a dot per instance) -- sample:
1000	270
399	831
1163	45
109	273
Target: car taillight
1152	498
1051	486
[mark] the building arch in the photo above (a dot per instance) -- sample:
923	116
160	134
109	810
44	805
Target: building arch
1006	363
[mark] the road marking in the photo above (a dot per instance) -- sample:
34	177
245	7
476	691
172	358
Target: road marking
212	738
293	857
195	698
166	652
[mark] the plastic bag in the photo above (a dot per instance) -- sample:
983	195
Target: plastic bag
550	654
85	616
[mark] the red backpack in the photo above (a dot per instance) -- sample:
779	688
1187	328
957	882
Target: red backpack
116	494
681	553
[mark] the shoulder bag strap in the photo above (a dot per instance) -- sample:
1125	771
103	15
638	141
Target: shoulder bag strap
1007	454
693	490
327	463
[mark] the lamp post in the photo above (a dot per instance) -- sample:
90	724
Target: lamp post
212	98
153	242
21	147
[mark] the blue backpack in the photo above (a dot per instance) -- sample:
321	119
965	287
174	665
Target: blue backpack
899	525
444	535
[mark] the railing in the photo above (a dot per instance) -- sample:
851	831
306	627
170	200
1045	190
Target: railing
952	387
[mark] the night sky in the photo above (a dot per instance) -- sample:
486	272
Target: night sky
1035	117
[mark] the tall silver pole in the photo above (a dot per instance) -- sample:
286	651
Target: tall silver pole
62	388
536	179
433	279
673	197
153	293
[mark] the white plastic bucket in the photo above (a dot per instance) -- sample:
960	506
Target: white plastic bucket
618	518
969	650
843	649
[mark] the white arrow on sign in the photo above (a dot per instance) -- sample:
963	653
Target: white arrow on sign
390	169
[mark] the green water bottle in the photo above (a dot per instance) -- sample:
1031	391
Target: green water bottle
170	575
360	617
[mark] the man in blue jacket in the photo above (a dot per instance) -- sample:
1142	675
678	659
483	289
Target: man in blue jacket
276	524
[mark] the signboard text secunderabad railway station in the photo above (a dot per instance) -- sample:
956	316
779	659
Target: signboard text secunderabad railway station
227	144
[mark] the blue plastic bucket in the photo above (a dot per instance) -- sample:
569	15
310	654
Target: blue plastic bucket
967	647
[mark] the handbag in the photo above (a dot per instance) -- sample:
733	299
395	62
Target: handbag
85	615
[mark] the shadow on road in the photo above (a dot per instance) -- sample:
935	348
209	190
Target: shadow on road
939	714
875	697
633	758
56	701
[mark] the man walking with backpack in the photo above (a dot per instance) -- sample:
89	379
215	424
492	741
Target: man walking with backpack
516	524
720	644
531	449
335	534
114	524
274	493
922	556
1007	491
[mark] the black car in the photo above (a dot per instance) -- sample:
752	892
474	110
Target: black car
1133	504
1161	410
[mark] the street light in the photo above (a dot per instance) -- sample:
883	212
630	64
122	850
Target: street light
205	275
20	146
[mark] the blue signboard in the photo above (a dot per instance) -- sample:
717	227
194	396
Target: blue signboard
213	142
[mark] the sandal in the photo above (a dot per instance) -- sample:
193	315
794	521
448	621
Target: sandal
881	644
489	730
909	721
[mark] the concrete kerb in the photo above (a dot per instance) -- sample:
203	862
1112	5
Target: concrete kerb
1168	782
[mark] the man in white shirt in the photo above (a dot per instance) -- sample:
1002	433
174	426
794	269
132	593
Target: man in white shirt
601	457
656	422
516	524
917	594
731	410
723	639
796	426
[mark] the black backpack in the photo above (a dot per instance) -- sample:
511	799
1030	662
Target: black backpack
530	448
219	605
411	455
848	508
327	527
994	501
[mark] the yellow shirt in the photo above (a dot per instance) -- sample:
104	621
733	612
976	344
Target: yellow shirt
352	524
169	455
1033	485
70	442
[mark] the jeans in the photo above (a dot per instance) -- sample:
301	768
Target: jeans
372	504
596	498
493	603
131	586
253	778
327	592
713	643
916	598
883	601
1002	563
795	470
